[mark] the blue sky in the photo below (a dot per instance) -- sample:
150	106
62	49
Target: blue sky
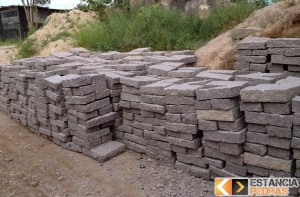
57	4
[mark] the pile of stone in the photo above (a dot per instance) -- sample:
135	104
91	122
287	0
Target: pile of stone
133	127
253	55
270	141
223	126
181	127
285	54
90	112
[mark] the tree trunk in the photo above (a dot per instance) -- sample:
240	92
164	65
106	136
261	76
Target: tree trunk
26	12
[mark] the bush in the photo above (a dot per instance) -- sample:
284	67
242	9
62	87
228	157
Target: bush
160	28
27	49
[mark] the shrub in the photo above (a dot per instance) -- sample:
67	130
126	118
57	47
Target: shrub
160	28
27	49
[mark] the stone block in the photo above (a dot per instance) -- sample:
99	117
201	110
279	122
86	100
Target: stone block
220	89
258	138
296	104
268	162
279	153
258	171
194	144
279	142
257	149
173	118
295	143
219	115
238	137
292	52
254	107
224	104
206	125
188	159
232	149
236	125
284	43
236	169
200	172
189	118
101	120
183	167
281	92
280	59
253	43
80	100
183	128
153	108
277	108
284	132
206	104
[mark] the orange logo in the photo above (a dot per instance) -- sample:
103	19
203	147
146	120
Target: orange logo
223	187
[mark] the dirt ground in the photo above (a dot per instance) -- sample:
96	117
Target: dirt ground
34	166
7	53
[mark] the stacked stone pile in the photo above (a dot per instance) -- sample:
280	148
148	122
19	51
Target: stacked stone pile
268	112
285	54
253	55
223	126
133	128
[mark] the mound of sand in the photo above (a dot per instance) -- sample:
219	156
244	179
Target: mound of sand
57	24
278	20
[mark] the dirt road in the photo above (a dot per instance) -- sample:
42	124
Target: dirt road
33	166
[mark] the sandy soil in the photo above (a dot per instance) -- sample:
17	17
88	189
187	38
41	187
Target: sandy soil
33	166
7	53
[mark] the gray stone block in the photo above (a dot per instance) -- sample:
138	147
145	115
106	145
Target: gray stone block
292	52
279	142
173	118
284	43
268	162
206	104
220	89
254	107
189	159
137	81
277	108
153	108
253	43
236	125
189	118
214	162
252	59
232	149
284	132
236	169
257	149
258	138
217	172
80	100
295	143
296	104
200	172
183	167
258	171
281	92
207	125
219	115
224	104
194	144
238	137
280	59
279	153
101	120
182	128
239	160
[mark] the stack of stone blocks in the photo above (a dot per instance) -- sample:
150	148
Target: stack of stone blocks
209	123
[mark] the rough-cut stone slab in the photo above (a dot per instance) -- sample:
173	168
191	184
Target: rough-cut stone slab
220	89
280	59
284	43
238	137
268	162
219	115
281	92
253	43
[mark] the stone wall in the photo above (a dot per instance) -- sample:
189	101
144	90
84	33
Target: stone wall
208	123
